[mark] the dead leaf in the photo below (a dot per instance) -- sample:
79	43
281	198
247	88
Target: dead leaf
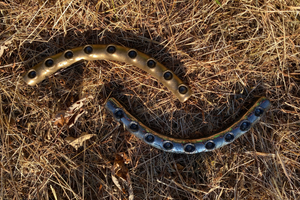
130	189
2	48
120	170
179	166
119	167
60	120
78	142
70	116
100	187
116	182
72	120
126	159
3	4
100	191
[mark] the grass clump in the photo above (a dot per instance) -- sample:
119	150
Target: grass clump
228	55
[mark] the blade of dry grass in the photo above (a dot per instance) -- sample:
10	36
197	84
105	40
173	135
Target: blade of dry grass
229	52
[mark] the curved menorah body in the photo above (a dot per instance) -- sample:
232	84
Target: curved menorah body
188	146
109	52
131	56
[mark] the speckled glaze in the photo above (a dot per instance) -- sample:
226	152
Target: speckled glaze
188	146
109	52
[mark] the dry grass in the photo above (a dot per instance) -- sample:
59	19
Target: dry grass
228	55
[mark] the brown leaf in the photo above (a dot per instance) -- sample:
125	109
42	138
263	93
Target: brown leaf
73	113
116	182
100	188
78	142
60	120
72	120
119	167
2	48
179	166
126	159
